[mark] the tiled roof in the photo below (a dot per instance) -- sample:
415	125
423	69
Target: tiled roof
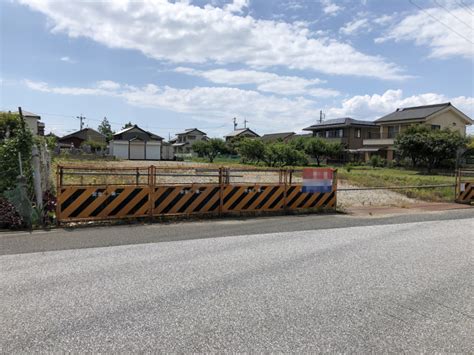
342	121
413	113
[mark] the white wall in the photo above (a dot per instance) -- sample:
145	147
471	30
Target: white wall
153	151
119	149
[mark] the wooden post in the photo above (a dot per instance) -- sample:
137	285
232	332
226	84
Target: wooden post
334	187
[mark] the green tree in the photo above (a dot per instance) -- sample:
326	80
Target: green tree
127	125
106	129
316	148
209	149
9	123
412	143
299	143
251	150
281	154
20	141
428	147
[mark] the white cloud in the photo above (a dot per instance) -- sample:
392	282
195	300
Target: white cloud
427	29
369	107
183	33
330	8
264	81
211	104
353	27
237	6
67	60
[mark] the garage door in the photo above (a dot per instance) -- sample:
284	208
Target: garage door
137	150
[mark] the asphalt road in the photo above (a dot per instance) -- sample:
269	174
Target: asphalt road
400	287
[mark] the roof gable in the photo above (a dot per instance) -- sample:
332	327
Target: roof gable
84	134
118	135
276	136
339	122
191	130
413	113
240	131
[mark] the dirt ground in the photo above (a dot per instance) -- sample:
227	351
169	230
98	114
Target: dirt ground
171	172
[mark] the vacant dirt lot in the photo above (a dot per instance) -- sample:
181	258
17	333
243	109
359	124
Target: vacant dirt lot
172	172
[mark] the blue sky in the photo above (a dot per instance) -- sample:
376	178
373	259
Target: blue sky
171	65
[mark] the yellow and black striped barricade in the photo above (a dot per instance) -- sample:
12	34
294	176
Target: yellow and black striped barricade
186	199
252	197
296	199
465	192
81	203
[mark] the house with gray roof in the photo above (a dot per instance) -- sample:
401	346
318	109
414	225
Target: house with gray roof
347	131
439	116
183	142
277	137
240	133
135	143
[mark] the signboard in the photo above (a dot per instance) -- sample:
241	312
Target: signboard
317	180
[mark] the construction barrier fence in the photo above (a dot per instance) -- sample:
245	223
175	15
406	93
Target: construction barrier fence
153	194
465	186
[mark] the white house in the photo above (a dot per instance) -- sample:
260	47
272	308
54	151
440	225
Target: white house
134	143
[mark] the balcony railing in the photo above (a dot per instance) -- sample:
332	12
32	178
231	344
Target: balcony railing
385	135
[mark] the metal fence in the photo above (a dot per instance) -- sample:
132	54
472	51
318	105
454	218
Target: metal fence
465	186
91	193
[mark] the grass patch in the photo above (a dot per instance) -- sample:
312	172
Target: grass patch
385	177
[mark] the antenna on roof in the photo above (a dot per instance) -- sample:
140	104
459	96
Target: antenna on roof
322	116
245	123
235	123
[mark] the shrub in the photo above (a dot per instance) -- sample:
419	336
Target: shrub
20	141
376	161
9	216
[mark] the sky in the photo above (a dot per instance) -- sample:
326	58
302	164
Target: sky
172	65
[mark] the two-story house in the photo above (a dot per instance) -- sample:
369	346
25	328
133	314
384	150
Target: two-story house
438	116
183	142
347	131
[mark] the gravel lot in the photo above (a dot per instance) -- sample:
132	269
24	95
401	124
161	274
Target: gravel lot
196	174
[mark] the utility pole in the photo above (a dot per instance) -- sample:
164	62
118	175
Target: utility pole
81	119
22	119
321	116
235	124
245	123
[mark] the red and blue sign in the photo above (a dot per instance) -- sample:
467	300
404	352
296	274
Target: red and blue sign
317	180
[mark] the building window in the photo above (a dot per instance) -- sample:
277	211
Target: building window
340	133
327	134
357	133
392	131
191	138
435	127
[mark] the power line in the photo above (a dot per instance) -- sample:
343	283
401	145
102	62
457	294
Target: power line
436	19
118	123
465	6
469	26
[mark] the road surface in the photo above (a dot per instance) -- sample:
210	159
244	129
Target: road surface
398	287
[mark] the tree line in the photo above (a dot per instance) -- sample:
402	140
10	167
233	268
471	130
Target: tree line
297	151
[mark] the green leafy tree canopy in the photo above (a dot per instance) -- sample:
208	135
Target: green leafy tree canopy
210	148
106	129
